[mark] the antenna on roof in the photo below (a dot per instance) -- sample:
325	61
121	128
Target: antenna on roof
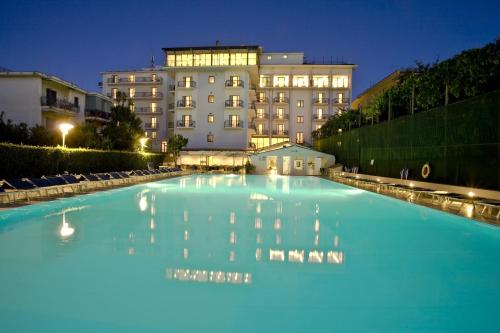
152	61
217	42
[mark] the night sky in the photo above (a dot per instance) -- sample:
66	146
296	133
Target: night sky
76	40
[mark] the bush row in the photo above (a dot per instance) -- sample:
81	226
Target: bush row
33	161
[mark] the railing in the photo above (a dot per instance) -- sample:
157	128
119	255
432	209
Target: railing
281	116
144	94
280	133
320	117
265	85
148	109
171	106
171	87
281	100
320	100
98	114
235	83
186	124
261	117
262	100
234	103
233	124
60	104
186	104
186	84
343	100
139	79
150	125
261	132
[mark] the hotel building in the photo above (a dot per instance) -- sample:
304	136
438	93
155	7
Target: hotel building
235	97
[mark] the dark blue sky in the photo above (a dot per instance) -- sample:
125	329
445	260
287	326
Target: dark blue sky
76	40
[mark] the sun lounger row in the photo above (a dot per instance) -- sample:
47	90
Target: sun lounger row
26	189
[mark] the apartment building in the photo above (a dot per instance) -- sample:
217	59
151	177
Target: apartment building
234	97
148	89
36	98
97	109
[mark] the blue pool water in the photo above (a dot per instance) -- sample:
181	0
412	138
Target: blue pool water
214	253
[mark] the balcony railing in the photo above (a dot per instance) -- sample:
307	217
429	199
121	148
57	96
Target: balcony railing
320	100
280	132
138	79
148	109
261	132
151	125
262	100
263	116
186	104
60	104
97	114
186	124
234	103
343	100
171	87
171	106
281	100
147	94
235	83
320	117
186	84
233	124
281	116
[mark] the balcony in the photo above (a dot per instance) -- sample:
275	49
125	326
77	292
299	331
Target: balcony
58	105
171	88
320	117
280	132
186	84
261	117
150	126
234	103
235	83
186	104
97	115
147	94
281	116
260	132
171	106
280	100
233	124
343	100
263	100
139	79
148	109
320	101
185	124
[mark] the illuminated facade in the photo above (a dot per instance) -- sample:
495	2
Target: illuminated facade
237	97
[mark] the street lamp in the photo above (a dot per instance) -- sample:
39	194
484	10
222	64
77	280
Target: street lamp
143	143
65	128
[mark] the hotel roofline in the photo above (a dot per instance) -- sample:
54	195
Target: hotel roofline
44	76
212	48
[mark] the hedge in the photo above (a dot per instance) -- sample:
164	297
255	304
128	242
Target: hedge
461	143
33	161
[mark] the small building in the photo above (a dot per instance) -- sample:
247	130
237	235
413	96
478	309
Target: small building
36	98
223	158
290	159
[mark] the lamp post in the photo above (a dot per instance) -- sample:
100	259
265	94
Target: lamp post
143	143
65	128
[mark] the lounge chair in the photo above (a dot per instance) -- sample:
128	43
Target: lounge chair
70	179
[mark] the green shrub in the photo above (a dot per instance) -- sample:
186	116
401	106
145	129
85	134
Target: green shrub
33	161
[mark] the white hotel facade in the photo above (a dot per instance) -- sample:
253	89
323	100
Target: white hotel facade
234	97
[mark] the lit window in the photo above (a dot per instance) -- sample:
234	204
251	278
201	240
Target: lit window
153	107
131	78
211	79
300	81
210	137
297	164
132	108
114	92
211	98
114	78
252	59
265	81
261	97
164	146
300	119
220	59
131	92
280	81
340	81
299	137
260	113
171	60
320	81
269	57
300	103
153	77
285	56
202	59
154	90
210	118
318	127
153	135
239	59
154	122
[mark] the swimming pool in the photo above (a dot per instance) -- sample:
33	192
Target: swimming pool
217	253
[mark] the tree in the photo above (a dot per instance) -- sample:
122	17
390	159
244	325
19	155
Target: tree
124	129
13	133
40	136
86	136
175	145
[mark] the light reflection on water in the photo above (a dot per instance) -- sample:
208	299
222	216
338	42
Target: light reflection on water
247	246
